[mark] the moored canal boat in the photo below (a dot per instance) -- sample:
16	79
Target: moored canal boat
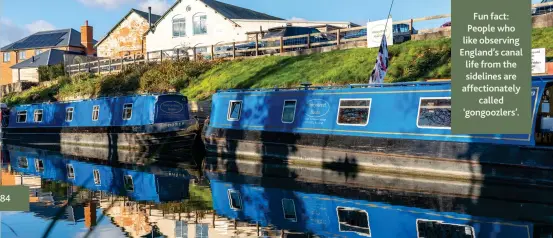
396	128
135	122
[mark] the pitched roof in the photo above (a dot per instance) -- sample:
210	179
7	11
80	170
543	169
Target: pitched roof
227	10
45	39
235	12
142	14
50	57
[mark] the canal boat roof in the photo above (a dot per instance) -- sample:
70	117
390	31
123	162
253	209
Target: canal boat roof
546	78
102	98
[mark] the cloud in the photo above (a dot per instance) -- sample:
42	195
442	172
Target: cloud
10	32
297	19
107	4
158	6
40	25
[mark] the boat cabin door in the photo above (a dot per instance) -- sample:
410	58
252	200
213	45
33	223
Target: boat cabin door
544	120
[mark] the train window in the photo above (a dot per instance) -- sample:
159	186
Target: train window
39	165
235	200
96	174
129	185
434	113
353	220
437	229
289	111
69	114
354	112
70	171
127	111
21	117
234	110
22	162
37	115
289	209
95	112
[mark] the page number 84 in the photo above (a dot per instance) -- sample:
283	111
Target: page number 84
4	198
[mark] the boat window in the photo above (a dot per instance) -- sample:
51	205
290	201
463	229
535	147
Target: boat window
289	209
69	114
434	113
129	186
127	111
39	165
289	111
70	171
95	112
96	174
234	110
21	117
38	115
354	112
353	220
235	200
22	162
436	229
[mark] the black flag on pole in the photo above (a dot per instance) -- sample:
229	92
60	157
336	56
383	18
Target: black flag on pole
381	66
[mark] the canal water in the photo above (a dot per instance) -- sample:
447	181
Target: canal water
89	192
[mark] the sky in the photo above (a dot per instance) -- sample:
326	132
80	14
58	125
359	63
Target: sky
19	18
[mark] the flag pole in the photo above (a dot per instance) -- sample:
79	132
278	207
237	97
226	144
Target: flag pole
388	18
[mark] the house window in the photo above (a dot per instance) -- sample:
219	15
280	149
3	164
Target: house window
127	111
354	112
289	111
39	165
22	55
353	220
23	162
235	201
96	174
95	112
69	114
289	209
430	229
179	27
129	185
7	56
181	229
200	23
202	231
21	117
70	171
234	110
434	113
38	115
38	52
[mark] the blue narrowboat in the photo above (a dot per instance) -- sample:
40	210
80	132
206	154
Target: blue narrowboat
137	121
336	213
397	128
133	183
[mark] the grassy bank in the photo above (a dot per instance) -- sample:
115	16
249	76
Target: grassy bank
410	61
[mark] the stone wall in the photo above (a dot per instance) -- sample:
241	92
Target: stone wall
541	21
15	87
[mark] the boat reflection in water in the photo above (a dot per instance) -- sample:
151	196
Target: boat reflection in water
325	210
135	184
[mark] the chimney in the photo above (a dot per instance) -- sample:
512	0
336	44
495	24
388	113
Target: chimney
150	16
86	38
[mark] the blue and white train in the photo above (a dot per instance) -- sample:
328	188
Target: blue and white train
398	127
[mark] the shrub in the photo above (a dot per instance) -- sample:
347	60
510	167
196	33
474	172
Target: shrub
47	73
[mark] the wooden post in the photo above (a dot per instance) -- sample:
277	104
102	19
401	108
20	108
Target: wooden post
256	44
213	219
79	68
411	27
134	58
234	50
178	54
212	52
308	40
99	68
338	36
147	57
257	228
235	224
161	56
281	44
122	64
110	65
194	52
